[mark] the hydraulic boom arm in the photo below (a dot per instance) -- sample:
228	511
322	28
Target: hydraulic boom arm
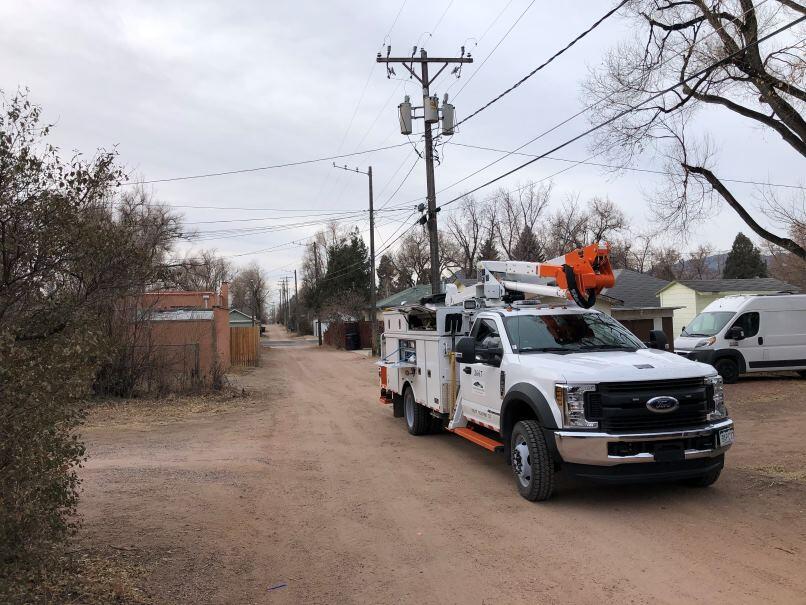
580	275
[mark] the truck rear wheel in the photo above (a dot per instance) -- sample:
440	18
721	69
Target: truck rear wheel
531	461
418	419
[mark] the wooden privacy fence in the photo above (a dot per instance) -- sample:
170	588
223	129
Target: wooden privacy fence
244	346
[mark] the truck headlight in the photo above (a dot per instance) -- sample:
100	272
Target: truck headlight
720	411
705	343
571	399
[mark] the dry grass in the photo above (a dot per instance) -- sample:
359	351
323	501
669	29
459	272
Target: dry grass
779	473
166	409
80	576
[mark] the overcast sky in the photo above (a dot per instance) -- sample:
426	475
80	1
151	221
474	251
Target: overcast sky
182	88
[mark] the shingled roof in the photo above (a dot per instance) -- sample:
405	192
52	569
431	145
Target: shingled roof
756	284
636	290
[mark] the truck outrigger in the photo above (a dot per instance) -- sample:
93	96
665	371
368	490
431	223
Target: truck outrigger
553	384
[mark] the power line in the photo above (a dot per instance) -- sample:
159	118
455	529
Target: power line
548	61
628	110
616	167
504	37
394	193
565	121
270	167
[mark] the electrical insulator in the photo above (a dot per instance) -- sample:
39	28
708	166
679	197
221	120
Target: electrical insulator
405	115
431	109
448	117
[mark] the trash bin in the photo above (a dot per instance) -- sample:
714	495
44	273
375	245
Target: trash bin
352	341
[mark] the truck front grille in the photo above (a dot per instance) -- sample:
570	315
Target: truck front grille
621	406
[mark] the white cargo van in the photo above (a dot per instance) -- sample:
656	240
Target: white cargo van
752	333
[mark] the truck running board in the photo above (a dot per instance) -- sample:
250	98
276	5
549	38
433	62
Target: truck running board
479	439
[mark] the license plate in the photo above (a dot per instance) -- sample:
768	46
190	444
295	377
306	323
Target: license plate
725	437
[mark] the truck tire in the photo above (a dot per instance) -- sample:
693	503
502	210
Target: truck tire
728	369
532	463
418	419
704	480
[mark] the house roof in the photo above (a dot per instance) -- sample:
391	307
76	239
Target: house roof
409	295
756	284
238	316
635	290
179	314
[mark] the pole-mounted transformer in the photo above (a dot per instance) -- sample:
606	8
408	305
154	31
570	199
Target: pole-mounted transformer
448	116
431	109
404	109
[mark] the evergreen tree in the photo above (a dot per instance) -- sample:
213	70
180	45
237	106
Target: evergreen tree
488	249
527	247
744	260
387	273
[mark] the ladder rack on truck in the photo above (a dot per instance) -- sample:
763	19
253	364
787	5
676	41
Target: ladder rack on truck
552	384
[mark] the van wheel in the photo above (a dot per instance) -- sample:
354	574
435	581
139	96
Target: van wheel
418	420
704	480
728	369
531	461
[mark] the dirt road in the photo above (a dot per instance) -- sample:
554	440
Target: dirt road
317	490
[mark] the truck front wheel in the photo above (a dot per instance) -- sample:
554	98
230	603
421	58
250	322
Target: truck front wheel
531	461
418	420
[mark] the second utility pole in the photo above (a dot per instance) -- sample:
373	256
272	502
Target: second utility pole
373	311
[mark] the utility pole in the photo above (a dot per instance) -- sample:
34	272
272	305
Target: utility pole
316	280
296	304
430	115
372	295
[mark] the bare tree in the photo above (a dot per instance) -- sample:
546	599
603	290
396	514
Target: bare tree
249	290
710	51
413	260
517	212
465	233
203	270
567	227
698	264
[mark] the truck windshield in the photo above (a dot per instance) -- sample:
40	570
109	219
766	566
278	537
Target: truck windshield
568	333
708	324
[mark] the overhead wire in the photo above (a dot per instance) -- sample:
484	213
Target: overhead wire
629	109
490	54
545	63
565	121
627	168
261	168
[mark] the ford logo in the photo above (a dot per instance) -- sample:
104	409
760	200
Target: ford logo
663	404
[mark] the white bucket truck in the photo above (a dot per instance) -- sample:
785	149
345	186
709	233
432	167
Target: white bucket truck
553	386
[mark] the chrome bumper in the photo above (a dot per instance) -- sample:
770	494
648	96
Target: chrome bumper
580	447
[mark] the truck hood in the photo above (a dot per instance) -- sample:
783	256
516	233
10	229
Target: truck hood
615	366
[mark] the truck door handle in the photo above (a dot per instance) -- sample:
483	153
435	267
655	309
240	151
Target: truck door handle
761	340
466	370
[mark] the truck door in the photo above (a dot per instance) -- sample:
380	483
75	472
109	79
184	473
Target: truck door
479	381
752	345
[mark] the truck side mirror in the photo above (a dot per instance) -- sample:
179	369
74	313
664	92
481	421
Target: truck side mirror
466	350
735	333
658	340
